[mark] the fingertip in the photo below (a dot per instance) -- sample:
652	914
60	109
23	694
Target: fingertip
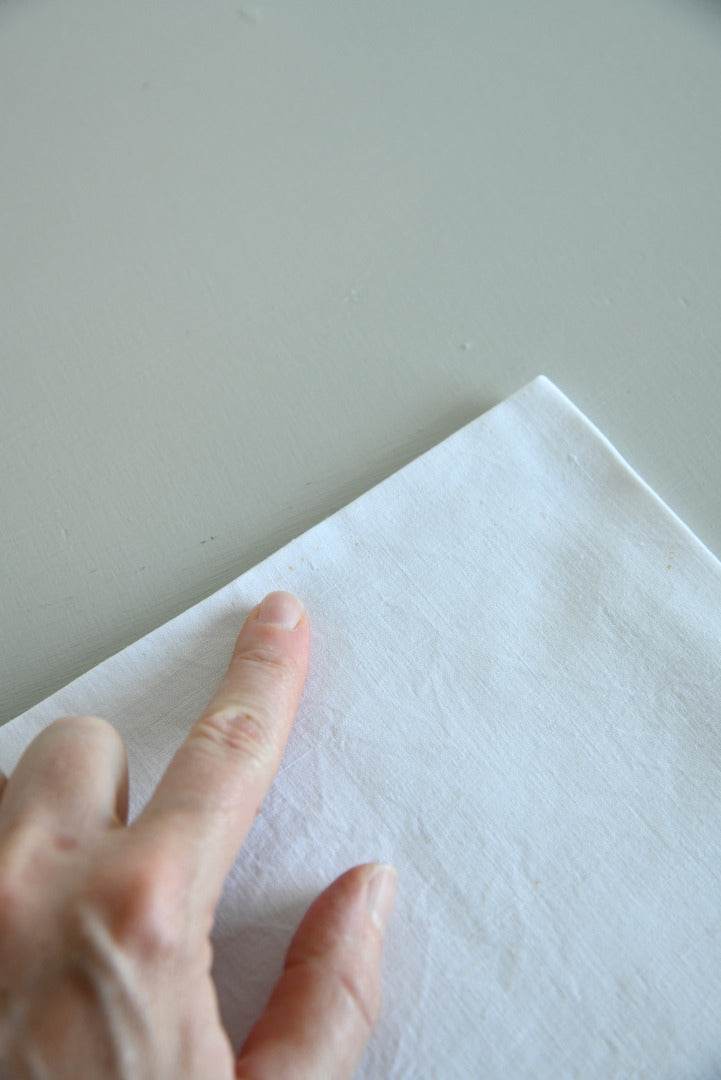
358	904
281	609
381	891
328	999
278	628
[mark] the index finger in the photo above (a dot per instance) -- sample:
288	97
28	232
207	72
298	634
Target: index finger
212	790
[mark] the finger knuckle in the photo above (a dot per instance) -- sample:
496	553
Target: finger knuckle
362	995
266	665
245	731
139	907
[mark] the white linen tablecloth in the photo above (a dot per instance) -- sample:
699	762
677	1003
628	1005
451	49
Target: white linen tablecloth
514	698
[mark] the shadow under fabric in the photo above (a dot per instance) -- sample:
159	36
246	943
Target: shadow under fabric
514	698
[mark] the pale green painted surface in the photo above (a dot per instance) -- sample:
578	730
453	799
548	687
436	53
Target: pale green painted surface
254	258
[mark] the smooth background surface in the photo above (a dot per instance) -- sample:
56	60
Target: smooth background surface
255	258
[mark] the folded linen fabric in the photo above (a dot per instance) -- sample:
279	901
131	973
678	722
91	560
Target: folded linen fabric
513	697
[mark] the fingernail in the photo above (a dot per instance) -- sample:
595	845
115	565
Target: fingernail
381	895
280	609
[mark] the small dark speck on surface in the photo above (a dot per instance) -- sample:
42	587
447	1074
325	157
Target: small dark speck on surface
249	15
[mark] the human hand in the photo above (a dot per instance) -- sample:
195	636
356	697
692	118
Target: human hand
105	950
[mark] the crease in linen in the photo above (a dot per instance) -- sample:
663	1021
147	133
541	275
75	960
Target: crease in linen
513	697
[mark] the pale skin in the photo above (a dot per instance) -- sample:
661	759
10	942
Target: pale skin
105	927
